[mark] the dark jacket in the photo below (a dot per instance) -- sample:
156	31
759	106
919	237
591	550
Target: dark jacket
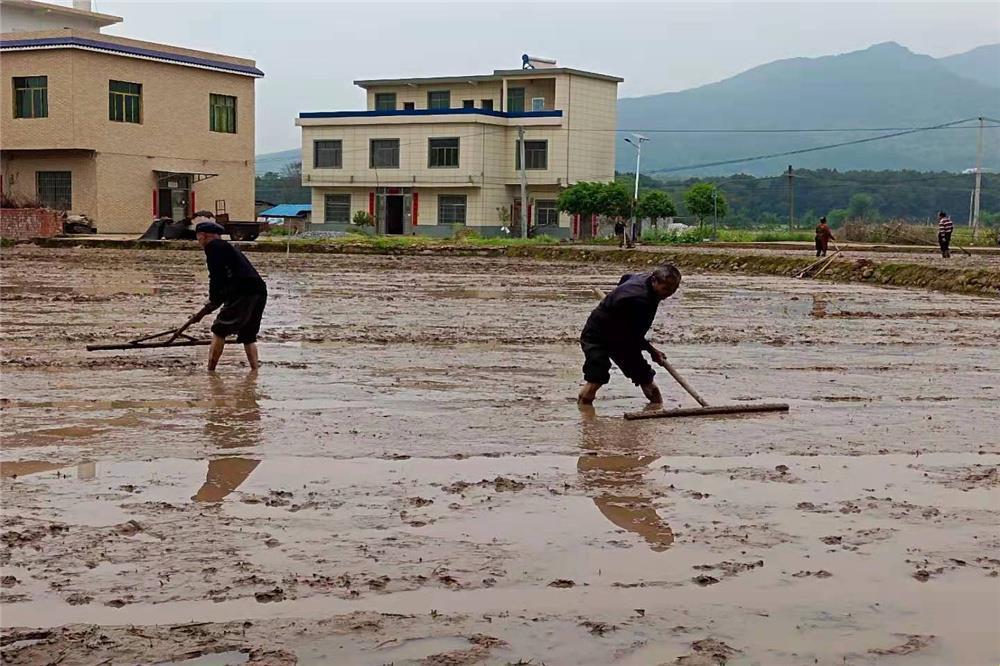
230	274
824	233
626	314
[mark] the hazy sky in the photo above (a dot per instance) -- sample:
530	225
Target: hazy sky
311	52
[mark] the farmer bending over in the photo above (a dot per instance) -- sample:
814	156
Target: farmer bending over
236	286
616	331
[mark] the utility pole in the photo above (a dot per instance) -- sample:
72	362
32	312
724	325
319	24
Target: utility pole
791	198
979	180
639	138
524	183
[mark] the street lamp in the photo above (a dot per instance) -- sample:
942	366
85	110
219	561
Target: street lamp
637	144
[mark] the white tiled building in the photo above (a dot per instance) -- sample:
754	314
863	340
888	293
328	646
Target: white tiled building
431	155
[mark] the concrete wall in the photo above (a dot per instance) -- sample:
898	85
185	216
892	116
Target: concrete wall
536	87
18	18
116	190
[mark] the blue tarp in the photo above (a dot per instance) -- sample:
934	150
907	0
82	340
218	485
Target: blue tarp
286	210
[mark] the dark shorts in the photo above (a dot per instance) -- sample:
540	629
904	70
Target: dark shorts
598	355
241	315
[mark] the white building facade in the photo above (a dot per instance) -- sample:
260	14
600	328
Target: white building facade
432	156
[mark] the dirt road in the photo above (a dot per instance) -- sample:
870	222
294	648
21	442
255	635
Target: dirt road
409	481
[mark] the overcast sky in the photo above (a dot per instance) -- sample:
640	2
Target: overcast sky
311	52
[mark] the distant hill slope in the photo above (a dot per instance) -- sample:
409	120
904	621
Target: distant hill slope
885	85
275	162
980	64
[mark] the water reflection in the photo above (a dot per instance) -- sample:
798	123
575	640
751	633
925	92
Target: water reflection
614	475
12	469
819	306
232	420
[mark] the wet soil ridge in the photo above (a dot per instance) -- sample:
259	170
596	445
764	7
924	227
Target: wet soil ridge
982	280
977	281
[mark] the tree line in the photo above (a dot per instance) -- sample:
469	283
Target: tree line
839	195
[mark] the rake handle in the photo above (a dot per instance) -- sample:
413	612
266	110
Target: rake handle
683	382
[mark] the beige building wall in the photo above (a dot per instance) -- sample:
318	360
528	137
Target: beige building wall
173	134
581	146
19	179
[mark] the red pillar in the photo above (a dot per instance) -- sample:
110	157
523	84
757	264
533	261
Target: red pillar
416	207
371	204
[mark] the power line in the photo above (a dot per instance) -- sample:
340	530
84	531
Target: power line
801	151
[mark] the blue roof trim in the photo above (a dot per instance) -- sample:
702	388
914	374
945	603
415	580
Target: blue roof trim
129	50
286	210
431	112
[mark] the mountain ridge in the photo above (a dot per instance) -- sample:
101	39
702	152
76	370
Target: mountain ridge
883	85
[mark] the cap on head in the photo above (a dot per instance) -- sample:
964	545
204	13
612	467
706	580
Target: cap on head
823	219
210	227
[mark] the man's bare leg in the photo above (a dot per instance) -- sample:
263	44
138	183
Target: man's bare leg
652	393
215	351
588	393
251	350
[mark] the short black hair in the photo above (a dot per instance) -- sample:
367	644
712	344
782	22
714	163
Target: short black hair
204	213
942	214
667	272
823	219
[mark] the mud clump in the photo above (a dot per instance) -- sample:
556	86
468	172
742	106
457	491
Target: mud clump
913	643
500	484
130	528
562	583
707	652
268	596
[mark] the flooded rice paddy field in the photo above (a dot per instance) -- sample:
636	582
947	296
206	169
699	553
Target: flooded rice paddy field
408	480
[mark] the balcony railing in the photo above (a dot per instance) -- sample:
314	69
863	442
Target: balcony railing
431	112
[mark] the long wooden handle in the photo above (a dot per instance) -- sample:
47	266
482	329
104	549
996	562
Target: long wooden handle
683	382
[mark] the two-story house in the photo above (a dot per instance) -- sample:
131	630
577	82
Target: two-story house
432	155
118	129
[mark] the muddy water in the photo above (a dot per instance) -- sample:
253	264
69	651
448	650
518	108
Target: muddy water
408	479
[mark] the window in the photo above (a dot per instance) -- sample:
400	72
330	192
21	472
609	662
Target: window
546	213
442	153
337	208
451	208
124	102
408	106
515	100
537	103
468	103
487	104
385	101
536	154
55	189
439	99
31	97
222	113
384	154
328	154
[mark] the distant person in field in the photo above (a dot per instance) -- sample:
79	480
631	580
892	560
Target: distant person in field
945	227
620	232
235	285
823	237
616	332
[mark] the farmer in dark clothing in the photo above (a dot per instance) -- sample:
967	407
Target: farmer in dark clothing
823	237
235	285
945	227
620	232
616	331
